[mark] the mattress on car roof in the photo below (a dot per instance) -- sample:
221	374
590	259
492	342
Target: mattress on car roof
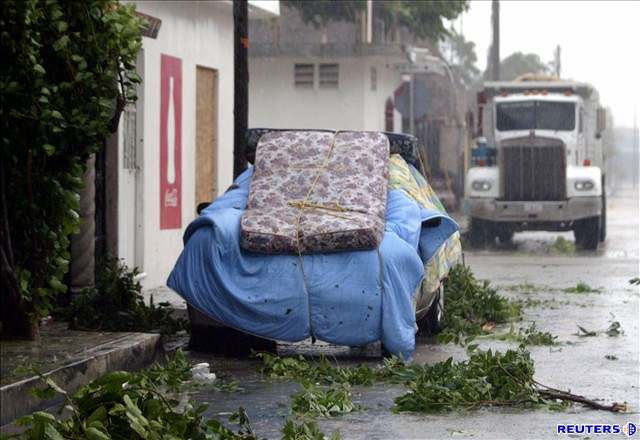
316	192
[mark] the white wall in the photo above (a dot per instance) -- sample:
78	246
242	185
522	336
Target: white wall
201	34
275	102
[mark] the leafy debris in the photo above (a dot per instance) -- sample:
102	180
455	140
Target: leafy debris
529	336
307	430
581	288
471	305
563	246
116	303
315	401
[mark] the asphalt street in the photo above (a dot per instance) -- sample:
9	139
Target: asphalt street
600	367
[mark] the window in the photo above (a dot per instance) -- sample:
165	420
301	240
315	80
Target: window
374	79
541	115
303	75
329	75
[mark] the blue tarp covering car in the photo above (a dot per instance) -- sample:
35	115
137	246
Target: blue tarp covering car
348	298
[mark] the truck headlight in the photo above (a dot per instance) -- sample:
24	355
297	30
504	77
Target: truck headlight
583	185
481	185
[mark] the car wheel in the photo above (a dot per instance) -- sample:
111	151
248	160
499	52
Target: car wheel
431	323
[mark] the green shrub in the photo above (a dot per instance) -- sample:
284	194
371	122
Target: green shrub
68	71
117	304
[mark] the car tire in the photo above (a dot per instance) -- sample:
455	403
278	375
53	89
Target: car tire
587	233
431	323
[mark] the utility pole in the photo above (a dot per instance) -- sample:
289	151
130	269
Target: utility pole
495	45
636	165
557	64
240	84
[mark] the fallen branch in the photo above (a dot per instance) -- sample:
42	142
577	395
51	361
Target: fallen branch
563	395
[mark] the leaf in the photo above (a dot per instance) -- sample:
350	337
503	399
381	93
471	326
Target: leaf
52	433
38	68
49	149
95	434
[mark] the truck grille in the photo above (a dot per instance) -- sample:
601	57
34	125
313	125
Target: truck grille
533	169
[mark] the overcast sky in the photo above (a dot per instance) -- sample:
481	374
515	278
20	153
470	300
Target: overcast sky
600	42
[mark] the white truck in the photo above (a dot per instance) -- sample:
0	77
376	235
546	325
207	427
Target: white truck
549	168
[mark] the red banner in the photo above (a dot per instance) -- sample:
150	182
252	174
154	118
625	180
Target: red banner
170	142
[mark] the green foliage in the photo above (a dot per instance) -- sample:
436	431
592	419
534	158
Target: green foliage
471	305
529	336
461	55
307	430
635	281
519	63
315	401
421	18
138	405
563	246
321	372
581	288
68	66
486	379
117	304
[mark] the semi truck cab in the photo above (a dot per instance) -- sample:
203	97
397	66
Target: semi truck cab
548	173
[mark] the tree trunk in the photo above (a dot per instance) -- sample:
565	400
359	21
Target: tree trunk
16	321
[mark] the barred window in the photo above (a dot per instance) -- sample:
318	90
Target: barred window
329	74
303	75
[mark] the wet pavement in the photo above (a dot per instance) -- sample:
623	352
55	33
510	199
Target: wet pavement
535	270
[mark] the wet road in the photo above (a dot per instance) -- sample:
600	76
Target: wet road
534	269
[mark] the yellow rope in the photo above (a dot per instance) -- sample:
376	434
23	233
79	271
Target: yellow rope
332	209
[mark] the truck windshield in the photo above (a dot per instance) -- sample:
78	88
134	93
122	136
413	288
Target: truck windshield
541	115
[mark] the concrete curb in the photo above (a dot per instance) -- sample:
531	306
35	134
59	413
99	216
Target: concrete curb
131	351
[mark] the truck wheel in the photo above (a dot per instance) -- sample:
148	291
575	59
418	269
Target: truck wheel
479	233
505	234
603	217
587	233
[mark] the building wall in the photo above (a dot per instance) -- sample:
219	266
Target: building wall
200	34
275	101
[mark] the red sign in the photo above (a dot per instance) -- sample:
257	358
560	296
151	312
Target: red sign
170	142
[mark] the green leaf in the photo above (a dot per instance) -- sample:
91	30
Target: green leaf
49	149
52	433
38	68
61	43
56	114
95	434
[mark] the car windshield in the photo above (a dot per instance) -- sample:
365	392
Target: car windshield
541	115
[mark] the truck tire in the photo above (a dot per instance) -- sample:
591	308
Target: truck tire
587	233
603	217
479	232
505	234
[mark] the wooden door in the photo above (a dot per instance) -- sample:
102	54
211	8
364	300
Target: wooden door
206	134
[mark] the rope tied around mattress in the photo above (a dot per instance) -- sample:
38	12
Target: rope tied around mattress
331	209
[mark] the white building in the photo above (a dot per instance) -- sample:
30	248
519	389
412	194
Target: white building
174	147
324	91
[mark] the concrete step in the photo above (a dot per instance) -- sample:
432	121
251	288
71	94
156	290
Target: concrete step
72	359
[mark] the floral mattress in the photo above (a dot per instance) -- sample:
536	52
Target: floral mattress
317	192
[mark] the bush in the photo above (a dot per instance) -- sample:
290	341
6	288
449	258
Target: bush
68	71
117	304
